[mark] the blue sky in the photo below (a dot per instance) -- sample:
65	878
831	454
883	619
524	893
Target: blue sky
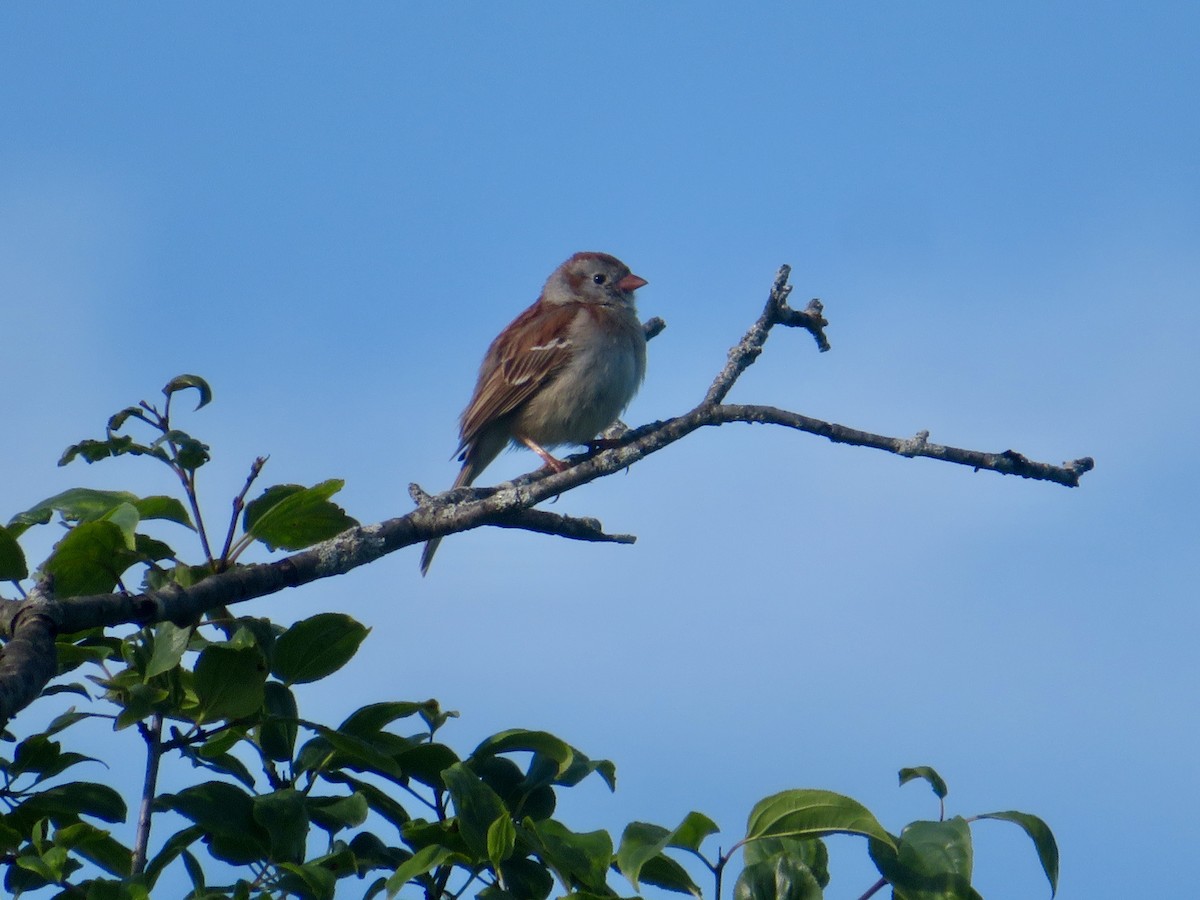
329	211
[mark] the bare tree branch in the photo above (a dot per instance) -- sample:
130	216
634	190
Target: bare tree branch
28	660
777	312
28	663
1008	462
577	529
653	327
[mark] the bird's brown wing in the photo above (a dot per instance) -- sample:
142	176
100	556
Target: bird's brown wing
525	356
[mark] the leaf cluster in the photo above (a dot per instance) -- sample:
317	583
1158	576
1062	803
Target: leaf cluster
105	530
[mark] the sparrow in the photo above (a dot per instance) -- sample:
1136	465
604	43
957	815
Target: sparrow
560	373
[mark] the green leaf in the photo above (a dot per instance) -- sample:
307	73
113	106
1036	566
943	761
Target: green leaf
115	445
65	720
379	801
10	838
310	881
180	574
171	849
97	846
341	861
370	853
170	641
928	773
279	727
244	638
47	867
158	506
138	701
150	549
939	846
73	687
89	560
640	843
182	382
503	776
228	683
434	716
335	813
808	813
554	761
189	452
316	647
266	501
89	505
195	872
101	889
221	742
125	516
12	559
39	755
118	419
370	719
34	754
71	655
226	813
525	878
582	857
426	762
664	872
331	750
780	878
810	851
423	861
583	767
692	831
519	739
476	807
75	505
501	839
283	816
224	763
932	861
293	517
65	802
1042	837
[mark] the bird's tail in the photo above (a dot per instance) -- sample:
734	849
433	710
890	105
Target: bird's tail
466	475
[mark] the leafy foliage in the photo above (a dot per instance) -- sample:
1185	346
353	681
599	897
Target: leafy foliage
286	806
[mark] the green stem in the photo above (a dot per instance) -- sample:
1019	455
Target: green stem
874	889
239	504
153	736
189	486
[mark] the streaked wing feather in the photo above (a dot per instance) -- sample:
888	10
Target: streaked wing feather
518	363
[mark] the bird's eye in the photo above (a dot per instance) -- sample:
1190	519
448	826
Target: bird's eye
599	278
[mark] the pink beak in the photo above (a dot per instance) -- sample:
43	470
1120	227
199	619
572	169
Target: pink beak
631	282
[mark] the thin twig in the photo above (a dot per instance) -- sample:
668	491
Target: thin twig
239	504
719	870
153	736
776	312
572	527
874	889
188	477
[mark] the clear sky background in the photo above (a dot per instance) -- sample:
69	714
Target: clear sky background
330	210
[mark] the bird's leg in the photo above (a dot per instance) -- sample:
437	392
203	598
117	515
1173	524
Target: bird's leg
556	464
